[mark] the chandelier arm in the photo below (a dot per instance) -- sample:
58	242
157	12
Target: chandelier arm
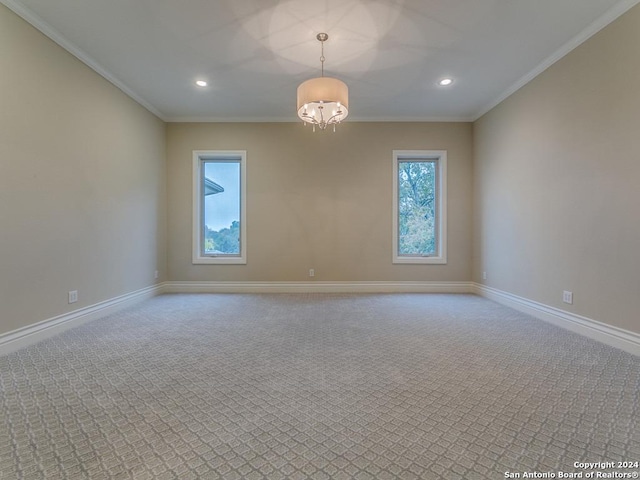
332	118
321	122
309	117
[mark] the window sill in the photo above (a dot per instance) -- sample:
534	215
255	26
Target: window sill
419	260
219	260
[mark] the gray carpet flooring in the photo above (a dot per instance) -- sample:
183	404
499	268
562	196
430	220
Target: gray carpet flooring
315	386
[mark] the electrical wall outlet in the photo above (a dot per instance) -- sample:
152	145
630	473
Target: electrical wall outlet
312	272
155	274
73	296
567	297
484	275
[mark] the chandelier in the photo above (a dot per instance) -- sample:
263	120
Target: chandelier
323	101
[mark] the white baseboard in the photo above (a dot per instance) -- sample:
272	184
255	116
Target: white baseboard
616	337
610	335
22	337
318	287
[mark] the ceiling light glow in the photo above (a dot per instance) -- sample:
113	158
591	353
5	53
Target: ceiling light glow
201	83
445	82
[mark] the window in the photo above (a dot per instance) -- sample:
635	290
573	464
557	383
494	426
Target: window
419	206
219	213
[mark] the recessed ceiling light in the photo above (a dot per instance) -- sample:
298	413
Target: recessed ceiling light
445	82
201	83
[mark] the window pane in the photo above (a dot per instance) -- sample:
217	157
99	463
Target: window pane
417	208
221	208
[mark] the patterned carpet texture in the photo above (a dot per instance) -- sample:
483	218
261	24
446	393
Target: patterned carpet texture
316	386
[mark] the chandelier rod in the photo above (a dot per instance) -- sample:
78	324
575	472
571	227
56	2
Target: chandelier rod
322	37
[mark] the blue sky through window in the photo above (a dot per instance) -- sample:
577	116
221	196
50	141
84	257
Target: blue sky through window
222	208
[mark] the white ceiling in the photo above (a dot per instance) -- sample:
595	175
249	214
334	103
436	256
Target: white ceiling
254	53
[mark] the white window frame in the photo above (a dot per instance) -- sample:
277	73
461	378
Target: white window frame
440	157
199	157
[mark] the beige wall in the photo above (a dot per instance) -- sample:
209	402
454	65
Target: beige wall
82	182
557	182
319	200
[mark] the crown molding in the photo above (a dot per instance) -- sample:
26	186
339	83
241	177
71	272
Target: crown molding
37	22
292	120
604	20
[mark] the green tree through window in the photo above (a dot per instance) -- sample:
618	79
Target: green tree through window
225	240
417	208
